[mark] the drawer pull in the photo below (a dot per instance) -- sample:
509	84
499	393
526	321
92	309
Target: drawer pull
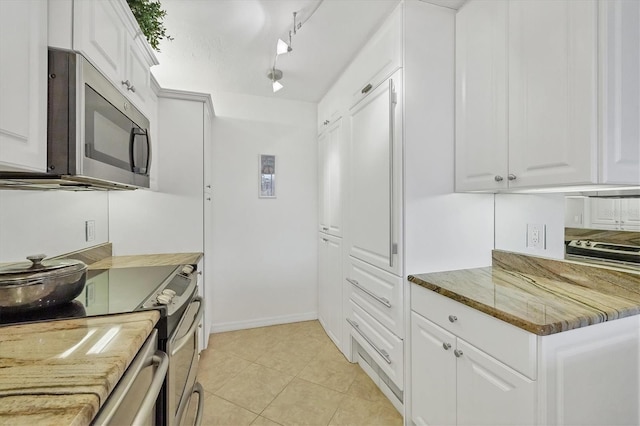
381	352
382	300
457	353
453	318
446	346
366	88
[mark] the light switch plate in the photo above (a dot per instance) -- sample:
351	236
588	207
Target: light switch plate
90	230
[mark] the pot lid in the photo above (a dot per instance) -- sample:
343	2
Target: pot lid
39	268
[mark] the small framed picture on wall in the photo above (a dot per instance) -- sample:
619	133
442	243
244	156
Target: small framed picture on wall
267	176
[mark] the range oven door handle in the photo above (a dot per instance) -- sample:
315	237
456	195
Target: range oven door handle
147	356
197	388
179	343
161	360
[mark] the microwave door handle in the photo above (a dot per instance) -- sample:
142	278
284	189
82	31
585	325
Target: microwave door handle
136	131
146	137
132	138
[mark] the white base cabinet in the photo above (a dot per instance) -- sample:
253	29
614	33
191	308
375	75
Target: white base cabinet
330	286
23	85
586	376
472	388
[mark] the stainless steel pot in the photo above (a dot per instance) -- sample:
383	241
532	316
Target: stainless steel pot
40	284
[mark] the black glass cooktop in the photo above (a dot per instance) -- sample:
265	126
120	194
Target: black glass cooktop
110	291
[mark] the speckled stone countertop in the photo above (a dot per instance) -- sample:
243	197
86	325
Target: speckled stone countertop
147	260
54	374
540	295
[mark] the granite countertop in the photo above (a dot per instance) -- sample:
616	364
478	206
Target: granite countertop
542	296
146	260
54	373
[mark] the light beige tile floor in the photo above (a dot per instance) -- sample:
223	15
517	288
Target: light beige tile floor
289	374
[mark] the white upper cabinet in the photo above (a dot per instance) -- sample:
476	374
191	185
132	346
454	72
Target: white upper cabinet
23	85
330	144
620	88
106	33
380	58
572	115
481	95
552	92
614	213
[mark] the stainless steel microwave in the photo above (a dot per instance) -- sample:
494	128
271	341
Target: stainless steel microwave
96	139
93	130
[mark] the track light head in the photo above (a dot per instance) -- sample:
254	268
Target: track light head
274	75
282	47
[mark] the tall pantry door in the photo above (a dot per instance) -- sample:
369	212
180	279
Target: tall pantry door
375	177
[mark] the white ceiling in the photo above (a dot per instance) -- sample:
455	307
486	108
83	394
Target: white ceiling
229	45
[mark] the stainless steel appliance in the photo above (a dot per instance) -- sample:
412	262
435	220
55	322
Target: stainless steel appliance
170	289
133	400
605	253
96	139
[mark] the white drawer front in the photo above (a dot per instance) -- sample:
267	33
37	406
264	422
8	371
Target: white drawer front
383	346
505	342
377	292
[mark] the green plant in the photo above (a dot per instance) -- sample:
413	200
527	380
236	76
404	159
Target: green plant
149	15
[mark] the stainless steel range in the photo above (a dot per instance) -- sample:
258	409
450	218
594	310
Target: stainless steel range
172	290
604	253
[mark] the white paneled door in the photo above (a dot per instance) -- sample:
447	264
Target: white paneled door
375	182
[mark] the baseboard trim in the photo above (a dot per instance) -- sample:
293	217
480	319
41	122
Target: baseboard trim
262	322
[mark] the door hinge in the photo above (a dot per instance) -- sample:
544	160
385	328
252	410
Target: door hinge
394	248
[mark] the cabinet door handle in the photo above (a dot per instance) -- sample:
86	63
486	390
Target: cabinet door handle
366	88
392	103
457	353
511	176
381	352
498	178
382	300
453	318
325	229
446	346
325	240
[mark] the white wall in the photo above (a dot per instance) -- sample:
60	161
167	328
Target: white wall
168	219
514	211
443	230
265	255
49	222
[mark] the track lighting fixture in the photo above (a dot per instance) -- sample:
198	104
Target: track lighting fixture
274	75
283	47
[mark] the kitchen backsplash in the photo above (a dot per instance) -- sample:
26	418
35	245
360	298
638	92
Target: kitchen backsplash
50	222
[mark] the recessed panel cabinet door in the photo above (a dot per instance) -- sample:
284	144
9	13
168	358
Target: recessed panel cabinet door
323	187
620	77
101	37
553	112
433	373
489	392
481	96
375	177
23	84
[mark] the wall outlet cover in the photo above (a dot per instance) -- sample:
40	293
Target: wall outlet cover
536	236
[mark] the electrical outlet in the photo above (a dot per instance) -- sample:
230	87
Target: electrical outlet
90	230
536	236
